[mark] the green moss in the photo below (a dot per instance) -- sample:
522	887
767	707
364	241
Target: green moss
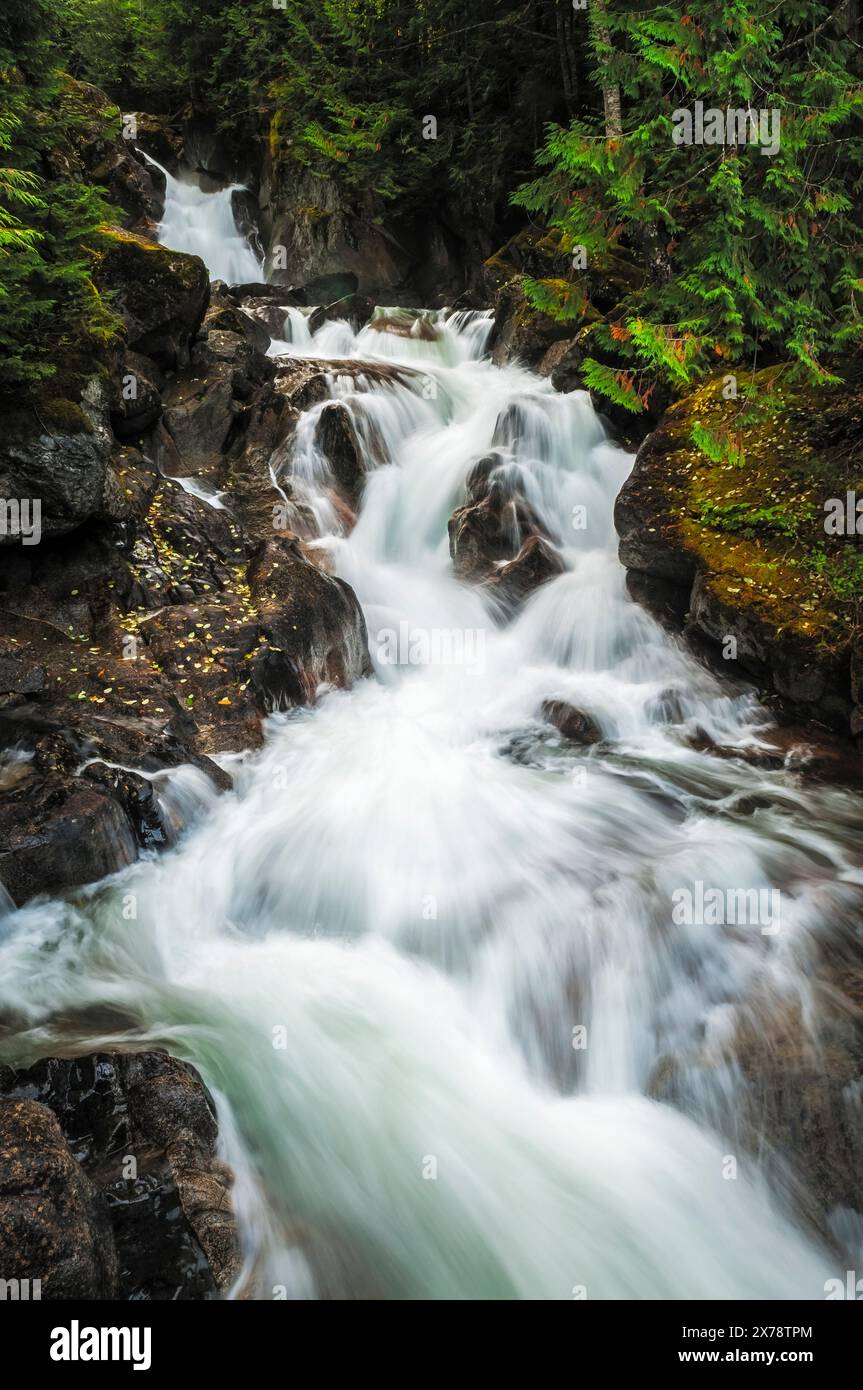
756	525
143	275
67	416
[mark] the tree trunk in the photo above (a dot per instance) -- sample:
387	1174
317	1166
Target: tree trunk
610	90
566	49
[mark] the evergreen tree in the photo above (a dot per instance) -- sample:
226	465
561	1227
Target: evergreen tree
49	307
736	255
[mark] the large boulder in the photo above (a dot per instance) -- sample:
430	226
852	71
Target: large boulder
312	627
142	1126
496	539
161	295
55	460
744	541
58	835
336	439
53	1223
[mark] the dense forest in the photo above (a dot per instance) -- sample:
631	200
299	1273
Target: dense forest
674	261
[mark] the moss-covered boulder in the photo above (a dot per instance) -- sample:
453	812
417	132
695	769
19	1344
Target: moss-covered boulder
161	295
744	537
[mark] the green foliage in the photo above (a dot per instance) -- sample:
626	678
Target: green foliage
742	255
340	88
49	308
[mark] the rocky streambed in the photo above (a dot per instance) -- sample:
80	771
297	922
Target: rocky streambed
180	595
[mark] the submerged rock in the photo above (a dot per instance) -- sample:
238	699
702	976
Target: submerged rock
496	539
336	439
574	724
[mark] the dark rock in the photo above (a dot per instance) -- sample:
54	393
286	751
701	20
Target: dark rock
159	137
160	294
496	539
53	1226
331	285
573	723
19	675
142	1126
562	363
222	316
521	333
487	532
336	439
57	457
260	290
536	563
270	314
60	837
313	625
136	399
664	600
199	413
356	308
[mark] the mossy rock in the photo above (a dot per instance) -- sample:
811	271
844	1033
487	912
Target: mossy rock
161	295
745	533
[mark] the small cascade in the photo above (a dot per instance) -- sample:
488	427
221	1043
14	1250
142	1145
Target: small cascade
203	224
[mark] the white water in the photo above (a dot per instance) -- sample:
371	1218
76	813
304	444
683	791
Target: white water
377	948
202	224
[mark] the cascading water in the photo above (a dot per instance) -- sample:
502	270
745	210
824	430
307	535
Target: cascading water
203	224
384	949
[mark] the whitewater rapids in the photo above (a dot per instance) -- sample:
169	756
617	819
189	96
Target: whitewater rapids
381	949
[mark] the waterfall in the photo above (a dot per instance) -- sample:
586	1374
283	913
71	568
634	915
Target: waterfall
203	224
426	955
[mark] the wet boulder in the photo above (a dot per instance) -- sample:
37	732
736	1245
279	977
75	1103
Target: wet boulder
356	308
574	724
59	834
522	333
223	316
336	439
497	540
55	460
488	532
562	363
536	563
142	1126
746	544
53	1223
312	626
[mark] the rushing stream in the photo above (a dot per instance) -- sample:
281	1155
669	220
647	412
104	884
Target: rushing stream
425	955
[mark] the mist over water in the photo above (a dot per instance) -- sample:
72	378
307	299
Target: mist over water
379	949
